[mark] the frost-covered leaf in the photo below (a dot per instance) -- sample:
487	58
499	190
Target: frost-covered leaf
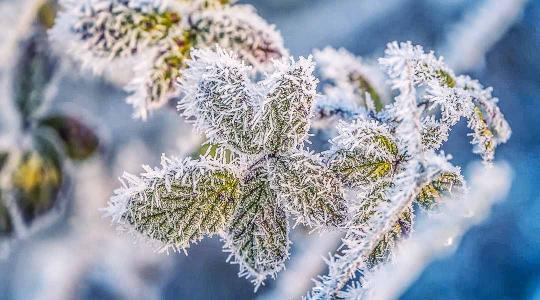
361	212
483	138
239	29
443	185
383	249
162	33
288	105
115	28
453	96
369	240
179	203
453	103
79	141
426	88
216	151
362	152
308	190
434	133
219	99
422	67
156	83
257	236
366	210
37	180
230	109
489	126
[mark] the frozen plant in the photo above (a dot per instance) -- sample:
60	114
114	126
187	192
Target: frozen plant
391	164
248	195
160	34
379	166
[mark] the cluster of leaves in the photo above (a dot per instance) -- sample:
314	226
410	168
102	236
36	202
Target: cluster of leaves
379	167
389	159
161	34
384	159
36	144
247	198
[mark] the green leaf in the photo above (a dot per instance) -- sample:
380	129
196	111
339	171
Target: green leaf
6	224
167	67
121	28
37	180
47	13
308	190
3	159
445	78
258	232
221	102
199	201
355	168
79	141
387	144
434	133
385	246
241	30
483	137
33	70
364	86
364	212
442	185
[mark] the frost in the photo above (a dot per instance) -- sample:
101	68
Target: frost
161	35
383	161
268	116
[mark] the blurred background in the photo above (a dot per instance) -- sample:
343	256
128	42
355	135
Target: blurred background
78	255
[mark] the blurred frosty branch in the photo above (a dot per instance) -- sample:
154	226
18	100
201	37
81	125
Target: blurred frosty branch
468	41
